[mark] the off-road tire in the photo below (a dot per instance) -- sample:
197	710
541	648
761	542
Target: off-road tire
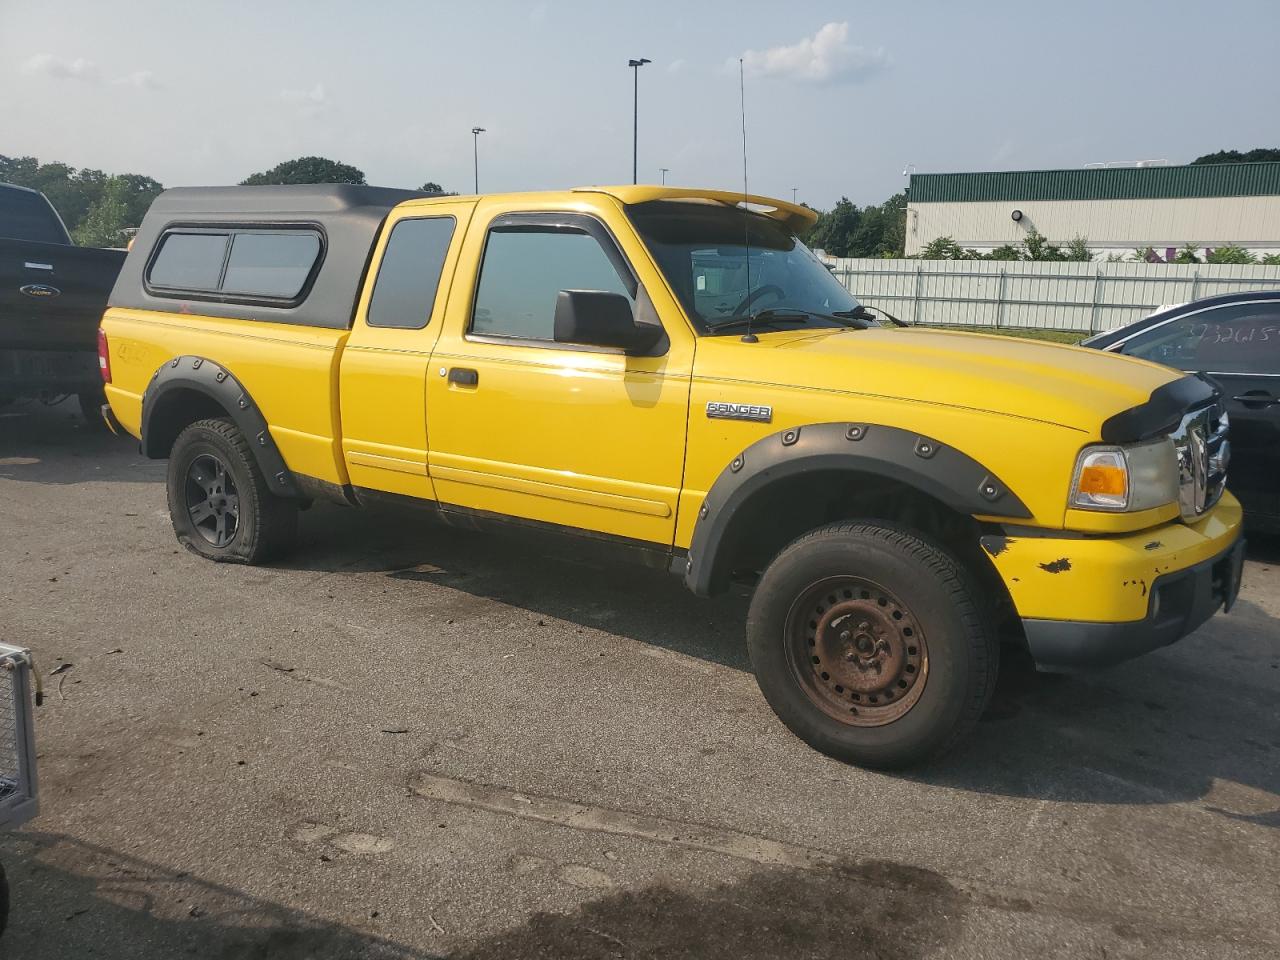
266	525
945	664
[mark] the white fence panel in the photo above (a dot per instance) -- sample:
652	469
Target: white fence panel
1042	295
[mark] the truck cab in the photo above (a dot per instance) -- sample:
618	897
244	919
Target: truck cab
672	372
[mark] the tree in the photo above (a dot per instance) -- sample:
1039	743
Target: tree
834	230
307	170
873	231
113	202
1261	154
431	187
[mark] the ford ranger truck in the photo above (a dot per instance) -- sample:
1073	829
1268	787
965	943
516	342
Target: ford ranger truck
671	372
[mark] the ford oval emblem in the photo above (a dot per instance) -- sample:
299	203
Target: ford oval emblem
40	290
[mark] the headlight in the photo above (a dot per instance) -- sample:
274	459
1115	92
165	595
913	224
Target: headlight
1128	478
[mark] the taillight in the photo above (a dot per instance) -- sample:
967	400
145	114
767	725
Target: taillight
104	357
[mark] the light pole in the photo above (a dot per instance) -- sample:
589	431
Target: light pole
475	153
665	171
793	194
635	66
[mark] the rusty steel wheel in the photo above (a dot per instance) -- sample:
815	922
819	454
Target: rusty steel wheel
857	651
871	644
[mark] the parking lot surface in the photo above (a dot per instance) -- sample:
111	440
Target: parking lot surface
409	741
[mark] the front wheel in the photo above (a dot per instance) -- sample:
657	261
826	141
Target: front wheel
870	644
219	501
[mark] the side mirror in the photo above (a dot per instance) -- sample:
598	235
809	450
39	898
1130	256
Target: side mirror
597	318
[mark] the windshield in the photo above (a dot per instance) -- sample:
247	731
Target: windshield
726	262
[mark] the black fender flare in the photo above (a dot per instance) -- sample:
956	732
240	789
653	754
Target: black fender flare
912	459
204	376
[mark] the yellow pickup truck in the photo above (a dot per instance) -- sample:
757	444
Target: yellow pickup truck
672	372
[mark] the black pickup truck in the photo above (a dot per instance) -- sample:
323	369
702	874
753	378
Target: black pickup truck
52	295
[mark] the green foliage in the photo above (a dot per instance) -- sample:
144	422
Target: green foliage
873	231
1187	254
1037	247
307	170
1144	255
1271	260
1005	252
1259	155
96	208
1077	251
944	248
1230	254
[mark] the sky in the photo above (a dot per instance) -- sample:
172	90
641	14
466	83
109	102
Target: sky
840	97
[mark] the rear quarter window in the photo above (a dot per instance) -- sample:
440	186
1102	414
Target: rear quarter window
233	265
270	264
189	261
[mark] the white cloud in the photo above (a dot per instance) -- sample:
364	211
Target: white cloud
46	64
826	57
309	102
86	71
142	79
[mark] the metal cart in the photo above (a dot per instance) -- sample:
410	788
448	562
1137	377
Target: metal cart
17	751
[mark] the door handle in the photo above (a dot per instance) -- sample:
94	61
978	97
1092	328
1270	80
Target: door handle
1258	400
463	376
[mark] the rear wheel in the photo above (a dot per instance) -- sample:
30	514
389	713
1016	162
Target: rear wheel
91	402
219	501
870	644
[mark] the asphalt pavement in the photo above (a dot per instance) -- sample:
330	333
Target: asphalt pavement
409	741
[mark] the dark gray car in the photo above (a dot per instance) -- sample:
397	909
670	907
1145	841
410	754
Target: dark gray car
1234	340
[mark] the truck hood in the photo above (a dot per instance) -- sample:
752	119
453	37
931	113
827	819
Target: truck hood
1068	386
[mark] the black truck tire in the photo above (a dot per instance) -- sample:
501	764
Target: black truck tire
219	501
91	402
870	643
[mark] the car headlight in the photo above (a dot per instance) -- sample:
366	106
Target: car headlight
1126	478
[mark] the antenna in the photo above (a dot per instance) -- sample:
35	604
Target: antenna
747	337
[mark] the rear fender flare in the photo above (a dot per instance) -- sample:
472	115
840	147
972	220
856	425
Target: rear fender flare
911	459
203	376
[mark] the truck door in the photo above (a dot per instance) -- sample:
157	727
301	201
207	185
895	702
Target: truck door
522	426
383	368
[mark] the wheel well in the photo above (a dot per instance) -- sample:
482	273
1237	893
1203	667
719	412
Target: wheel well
793	505
177	409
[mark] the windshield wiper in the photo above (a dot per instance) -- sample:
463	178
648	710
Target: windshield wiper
784	315
867	313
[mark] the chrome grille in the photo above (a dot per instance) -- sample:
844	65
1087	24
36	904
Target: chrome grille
1203	454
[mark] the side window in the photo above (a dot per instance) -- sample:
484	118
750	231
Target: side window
189	261
409	274
270	264
260	264
524	270
1241	338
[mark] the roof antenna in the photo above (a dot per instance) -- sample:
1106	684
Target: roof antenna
747	337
